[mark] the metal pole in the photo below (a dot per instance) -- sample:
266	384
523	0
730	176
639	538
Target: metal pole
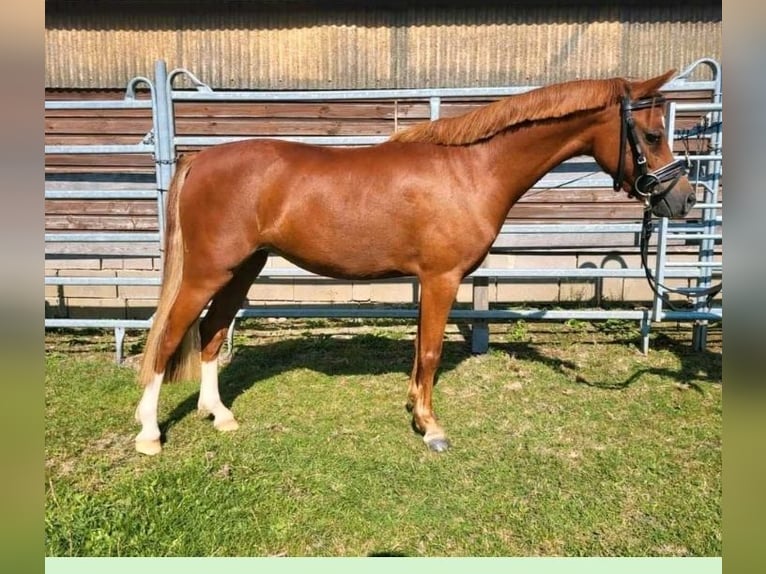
659	269
434	104
707	246
165	152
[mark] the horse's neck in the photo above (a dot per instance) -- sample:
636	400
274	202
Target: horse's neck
519	157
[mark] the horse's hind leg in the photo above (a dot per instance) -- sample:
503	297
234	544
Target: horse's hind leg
213	329
189	303
148	438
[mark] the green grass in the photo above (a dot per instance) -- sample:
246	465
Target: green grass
566	441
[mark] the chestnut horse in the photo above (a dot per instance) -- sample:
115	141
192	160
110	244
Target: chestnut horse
428	202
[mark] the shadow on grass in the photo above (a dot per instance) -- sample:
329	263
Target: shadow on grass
362	354
374	355
365	354
695	365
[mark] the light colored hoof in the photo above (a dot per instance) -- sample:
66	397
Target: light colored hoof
227	425
149	447
436	442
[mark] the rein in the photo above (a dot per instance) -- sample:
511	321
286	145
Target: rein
649	187
660	289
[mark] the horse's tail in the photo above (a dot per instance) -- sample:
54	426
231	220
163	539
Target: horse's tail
185	361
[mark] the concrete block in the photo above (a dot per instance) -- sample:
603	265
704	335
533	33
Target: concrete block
115	264
527	292
575	291
143	263
393	292
53	291
547	262
102	308
138	291
500	260
361	292
263	292
636	290
91	264
89	291
322	292
465	293
140	308
611	288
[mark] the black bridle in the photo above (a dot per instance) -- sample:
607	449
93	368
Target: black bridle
647	184
651	186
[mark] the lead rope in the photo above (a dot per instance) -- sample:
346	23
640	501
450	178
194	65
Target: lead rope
646	234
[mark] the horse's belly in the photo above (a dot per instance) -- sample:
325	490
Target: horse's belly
345	254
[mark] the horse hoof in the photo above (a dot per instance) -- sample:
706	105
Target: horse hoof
227	425
439	444
149	447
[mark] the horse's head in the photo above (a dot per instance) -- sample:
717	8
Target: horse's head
634	148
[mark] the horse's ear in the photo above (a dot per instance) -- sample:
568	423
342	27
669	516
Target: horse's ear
645	88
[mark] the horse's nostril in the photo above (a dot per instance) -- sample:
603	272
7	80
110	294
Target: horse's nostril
690	200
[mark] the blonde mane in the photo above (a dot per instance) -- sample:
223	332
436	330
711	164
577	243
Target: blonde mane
550	102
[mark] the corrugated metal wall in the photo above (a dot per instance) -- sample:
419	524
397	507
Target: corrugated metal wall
305	45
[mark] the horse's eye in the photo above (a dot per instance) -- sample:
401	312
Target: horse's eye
653	138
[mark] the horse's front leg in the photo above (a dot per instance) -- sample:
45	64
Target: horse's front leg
437	295
412	390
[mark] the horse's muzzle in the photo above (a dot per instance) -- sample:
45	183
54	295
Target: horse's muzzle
673	204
